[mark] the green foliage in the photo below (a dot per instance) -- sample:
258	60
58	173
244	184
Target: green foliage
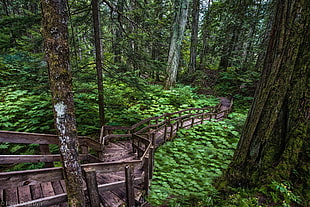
23	110
235	82
283	193
274	194
242	198
23	70
186	167
20	149
128	105
20	32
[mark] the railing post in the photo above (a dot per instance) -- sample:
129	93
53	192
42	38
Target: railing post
129	187
157	123
45	150
153	139
171	131
151	162
102	134
92	187
149	125
165	133
202	116
133	143
146	169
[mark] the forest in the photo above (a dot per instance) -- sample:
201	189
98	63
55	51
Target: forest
71	68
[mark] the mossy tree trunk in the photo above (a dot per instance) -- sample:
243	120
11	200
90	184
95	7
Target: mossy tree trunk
194	36
176	42
98	48
274	145
55	34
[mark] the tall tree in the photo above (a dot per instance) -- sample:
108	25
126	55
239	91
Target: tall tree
98	49
274	145
55	34
194	35
205	35
176	42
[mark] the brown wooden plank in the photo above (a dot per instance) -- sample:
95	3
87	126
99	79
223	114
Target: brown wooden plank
111	166
92	188
28	138
57	187
90	142
11	196
111	200
24	194
1	197
120	192
8	159
130	194
30	177
117	184
63	185
47	189
49	201
36	191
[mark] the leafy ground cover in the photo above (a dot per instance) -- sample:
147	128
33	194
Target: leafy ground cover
186	167
26	110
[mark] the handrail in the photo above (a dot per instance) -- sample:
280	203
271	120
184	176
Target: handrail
35	138
144	141
105	136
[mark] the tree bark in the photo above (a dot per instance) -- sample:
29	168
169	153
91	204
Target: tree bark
55	34
176	42
194	36
118	33
205	36
275	140
98	46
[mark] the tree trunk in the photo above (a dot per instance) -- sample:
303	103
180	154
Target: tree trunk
55	34
176	42
274	145
229	47
194	36
205	36
96	22
118	33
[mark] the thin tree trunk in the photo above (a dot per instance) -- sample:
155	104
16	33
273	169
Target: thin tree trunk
205	35
176	42
55	34
118	33
5	6
194	36
96	22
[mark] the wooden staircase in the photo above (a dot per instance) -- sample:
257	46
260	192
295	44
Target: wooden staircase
119	176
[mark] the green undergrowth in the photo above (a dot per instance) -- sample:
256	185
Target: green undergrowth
29	110
186	167
128	105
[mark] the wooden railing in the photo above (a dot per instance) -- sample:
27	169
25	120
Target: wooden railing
145	137
44	140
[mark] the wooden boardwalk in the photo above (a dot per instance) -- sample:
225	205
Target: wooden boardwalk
122	168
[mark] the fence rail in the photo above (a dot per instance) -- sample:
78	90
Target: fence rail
145	137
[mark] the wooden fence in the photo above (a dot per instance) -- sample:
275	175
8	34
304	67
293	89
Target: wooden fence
145	137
